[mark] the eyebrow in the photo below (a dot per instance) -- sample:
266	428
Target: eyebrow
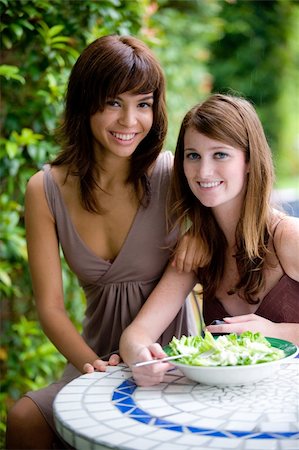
146	97
216	147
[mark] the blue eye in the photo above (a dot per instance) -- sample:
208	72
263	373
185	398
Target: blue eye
221	155
192	156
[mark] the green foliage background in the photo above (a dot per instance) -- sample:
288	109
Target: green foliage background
204	45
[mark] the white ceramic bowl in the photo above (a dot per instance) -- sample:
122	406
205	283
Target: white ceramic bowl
239	375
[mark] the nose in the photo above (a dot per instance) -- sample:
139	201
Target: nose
205	169
128	117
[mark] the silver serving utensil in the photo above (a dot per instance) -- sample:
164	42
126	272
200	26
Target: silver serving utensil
169	358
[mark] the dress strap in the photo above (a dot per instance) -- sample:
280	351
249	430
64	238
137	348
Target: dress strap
273	235
276	225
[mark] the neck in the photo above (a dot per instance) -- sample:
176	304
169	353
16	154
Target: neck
227	219
113	172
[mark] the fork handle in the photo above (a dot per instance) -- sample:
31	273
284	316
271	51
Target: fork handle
154	361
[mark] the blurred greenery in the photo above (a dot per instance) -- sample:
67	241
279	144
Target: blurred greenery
258	56
250	47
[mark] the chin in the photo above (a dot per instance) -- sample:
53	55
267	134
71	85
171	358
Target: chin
208	204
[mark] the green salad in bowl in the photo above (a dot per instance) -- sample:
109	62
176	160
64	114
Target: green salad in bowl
227	350
230	359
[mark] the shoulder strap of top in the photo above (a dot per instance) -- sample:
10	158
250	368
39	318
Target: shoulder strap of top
163	163
276	225
52	191
160	176
48	187
273	235
167	159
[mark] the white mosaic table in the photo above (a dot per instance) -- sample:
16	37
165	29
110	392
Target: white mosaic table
107	410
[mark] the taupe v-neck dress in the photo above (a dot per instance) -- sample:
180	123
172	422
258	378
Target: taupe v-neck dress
115	291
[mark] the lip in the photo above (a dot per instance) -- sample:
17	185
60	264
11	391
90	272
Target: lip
123	137
209	184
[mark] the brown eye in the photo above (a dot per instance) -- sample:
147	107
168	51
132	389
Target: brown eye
145	105
112	103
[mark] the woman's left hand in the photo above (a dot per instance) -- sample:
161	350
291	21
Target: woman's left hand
246	322
100	366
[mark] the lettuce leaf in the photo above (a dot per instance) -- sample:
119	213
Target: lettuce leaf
228	350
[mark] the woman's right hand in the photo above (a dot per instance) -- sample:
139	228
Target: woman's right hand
152	374
100	366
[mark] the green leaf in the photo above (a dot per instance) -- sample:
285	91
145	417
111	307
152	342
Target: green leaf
17	30
7	42
5	278
60	39
11	72
11	149
55	30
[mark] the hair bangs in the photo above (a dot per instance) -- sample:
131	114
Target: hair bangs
142	79
225	126
137	76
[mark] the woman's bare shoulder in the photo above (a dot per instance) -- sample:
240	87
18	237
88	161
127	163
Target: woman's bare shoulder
35	182
58	173
287	228
286	242
36	205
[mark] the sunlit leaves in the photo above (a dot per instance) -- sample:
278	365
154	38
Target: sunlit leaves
31	358
11	73
53	41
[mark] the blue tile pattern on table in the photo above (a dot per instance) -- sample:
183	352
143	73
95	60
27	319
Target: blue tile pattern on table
107	410
127	405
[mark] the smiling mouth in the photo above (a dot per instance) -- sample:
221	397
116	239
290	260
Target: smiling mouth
123	136
209	184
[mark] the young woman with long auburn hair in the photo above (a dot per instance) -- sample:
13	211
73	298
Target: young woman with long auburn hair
249	270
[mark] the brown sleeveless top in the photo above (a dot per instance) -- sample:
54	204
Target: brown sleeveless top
115	291
281	304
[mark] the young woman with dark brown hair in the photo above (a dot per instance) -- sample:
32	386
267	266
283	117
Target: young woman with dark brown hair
103	200
221	193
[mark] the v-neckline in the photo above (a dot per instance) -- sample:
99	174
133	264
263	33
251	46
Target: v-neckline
79	238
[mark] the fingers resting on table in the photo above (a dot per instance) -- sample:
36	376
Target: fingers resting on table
144	376
100	365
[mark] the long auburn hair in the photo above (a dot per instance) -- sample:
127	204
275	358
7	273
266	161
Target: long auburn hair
109	66
232	120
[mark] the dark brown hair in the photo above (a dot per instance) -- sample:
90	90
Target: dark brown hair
109	66
232	120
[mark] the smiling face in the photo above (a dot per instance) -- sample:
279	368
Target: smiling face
123	123
216	172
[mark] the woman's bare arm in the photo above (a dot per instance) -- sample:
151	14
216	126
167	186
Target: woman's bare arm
137	342
45	268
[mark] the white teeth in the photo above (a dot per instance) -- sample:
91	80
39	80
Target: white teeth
124	137
209	184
